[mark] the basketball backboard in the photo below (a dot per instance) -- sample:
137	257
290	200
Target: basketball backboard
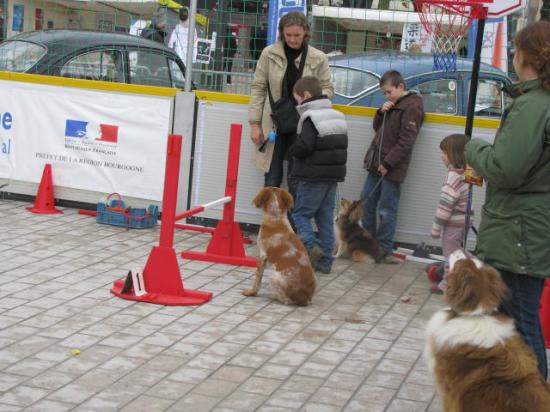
499	8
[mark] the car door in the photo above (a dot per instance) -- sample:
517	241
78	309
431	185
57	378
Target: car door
490	99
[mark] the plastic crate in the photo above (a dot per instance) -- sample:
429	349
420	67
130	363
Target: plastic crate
114	212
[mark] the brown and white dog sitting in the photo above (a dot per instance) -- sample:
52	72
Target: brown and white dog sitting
294	281
353	240
479	360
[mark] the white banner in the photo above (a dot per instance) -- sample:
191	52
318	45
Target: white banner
416	39
95	140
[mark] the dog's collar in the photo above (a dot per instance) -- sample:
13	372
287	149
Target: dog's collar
474	313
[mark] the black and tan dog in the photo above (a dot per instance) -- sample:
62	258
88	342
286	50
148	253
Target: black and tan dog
353	240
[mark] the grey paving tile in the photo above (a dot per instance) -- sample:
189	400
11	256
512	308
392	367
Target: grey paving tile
148	404
414	392
399	405
50	380
319	407
46	405
29	367
190	375
215	388
8	381
168	389
243	401
328	396
23	395
288	399
233	373
194	402
96	404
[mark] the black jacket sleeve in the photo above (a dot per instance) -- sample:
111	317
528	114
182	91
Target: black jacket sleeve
305	142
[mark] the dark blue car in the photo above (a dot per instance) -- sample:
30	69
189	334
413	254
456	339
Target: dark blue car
356	78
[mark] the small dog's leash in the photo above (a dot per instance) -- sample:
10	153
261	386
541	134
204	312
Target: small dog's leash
367	197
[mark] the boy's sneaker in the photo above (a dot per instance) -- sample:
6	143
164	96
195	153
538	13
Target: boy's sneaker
323	268
434	288
314	254
389	259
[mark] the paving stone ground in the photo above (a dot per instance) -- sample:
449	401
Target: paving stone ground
358	348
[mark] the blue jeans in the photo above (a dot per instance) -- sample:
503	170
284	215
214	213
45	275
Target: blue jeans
316	200
523	306
382	205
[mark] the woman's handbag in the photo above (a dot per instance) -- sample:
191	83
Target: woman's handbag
283	111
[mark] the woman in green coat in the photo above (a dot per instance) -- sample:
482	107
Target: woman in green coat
514	235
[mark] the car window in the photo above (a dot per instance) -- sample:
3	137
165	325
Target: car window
439	96
19	56
106	65
178	76
149	68
489	99
351	82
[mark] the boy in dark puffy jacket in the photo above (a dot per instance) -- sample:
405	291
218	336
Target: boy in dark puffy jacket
320	155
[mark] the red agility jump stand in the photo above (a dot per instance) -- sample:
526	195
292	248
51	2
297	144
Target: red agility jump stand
161	275
544	313
226	245
44	201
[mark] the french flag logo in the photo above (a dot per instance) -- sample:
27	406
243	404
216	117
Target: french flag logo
80	129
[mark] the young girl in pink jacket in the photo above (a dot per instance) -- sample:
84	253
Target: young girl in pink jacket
450	217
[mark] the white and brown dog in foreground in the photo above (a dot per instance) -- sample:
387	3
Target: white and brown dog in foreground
479	360
294	281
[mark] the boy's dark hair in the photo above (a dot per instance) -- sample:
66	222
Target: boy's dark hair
454	145
308	84
393	78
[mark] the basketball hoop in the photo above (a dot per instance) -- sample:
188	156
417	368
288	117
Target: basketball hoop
448	22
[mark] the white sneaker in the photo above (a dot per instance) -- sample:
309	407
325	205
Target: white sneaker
391	260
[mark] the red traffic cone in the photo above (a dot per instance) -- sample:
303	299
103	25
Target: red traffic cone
44	202
544	313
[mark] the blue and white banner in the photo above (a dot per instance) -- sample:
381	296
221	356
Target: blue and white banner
277	9
495	42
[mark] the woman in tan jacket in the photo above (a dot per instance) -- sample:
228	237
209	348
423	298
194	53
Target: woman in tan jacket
273	67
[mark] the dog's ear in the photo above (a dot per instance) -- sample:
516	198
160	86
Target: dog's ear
286	199
344	203
356	211
495	287
262	197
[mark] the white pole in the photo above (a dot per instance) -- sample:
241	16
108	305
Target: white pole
190	46
221	201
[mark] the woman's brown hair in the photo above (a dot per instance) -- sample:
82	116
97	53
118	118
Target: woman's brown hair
454	145
534	43
294	18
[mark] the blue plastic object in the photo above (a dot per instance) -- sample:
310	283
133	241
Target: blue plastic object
114	212
271	136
